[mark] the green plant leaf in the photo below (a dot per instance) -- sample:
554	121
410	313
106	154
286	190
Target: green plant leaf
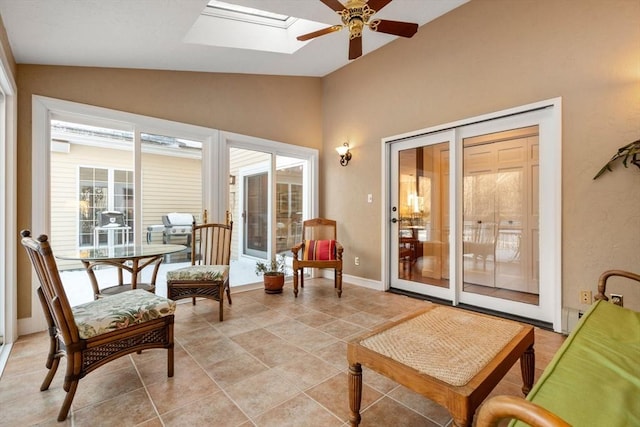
628	153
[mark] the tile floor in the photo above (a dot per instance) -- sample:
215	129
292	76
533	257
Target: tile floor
274	361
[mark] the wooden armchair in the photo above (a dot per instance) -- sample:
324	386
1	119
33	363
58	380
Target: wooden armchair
97	332
318	249
208	274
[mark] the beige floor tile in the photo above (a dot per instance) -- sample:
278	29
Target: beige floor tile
235	369
276	360
105	385
301	411
213	409
189	383
306	372
388	412
126	409
333	394
261	392
420	404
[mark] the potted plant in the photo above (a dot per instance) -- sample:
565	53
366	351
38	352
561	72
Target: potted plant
273	273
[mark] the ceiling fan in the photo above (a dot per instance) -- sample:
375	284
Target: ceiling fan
355	15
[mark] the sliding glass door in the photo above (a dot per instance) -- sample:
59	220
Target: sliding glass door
469	215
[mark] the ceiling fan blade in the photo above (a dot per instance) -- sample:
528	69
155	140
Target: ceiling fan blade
334	4
397	28
377	4
355	47
322	32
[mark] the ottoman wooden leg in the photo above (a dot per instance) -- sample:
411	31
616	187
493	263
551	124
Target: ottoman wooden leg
355	393
527	367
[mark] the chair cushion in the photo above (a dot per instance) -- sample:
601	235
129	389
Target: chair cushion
206	273
120	311
319	250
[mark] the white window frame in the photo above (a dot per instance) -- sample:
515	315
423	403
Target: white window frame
8	210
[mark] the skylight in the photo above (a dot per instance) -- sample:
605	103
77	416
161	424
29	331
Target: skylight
229	25
247	14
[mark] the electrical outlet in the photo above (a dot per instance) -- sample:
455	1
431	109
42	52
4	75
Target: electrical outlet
357	260
616	299
585	297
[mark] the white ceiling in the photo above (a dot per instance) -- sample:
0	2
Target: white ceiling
151	34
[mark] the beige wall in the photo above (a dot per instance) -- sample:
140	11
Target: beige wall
487	56
286	109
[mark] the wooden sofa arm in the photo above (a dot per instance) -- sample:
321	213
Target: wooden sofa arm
602	282
500	407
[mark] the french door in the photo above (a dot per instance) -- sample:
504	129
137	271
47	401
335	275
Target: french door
469	215
420	215
270	193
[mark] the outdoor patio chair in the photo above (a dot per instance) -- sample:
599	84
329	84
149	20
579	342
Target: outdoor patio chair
208	274
318	249
95	333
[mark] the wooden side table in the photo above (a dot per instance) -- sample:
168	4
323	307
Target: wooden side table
451	356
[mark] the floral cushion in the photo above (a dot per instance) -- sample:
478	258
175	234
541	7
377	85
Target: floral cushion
206	273
120	311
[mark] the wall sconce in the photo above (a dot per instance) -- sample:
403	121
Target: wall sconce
232	180
345	154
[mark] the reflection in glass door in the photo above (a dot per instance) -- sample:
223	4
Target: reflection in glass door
500	215
256	214
420	215
289	200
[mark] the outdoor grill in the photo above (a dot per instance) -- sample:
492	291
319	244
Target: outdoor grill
177	226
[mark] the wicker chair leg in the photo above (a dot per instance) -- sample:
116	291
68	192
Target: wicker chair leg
221	301
68	399
170	362
53	358
193	301
229	294
52	372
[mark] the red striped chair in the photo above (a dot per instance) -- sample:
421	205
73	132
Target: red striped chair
318	249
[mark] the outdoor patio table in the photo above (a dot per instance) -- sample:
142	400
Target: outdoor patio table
132	258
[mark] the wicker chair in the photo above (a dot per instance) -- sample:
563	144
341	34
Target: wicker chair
318	249
95	333
208	274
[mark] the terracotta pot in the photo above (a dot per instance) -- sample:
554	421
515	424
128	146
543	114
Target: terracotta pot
273	283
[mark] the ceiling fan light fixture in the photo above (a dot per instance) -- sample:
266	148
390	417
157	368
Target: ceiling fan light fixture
355	15
355	28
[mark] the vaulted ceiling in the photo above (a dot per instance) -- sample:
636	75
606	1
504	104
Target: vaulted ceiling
175	35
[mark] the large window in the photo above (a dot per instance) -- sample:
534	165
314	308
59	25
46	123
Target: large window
145	169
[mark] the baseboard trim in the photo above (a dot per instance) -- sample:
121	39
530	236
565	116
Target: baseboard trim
542	325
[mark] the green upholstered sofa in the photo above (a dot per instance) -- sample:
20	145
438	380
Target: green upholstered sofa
593	379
